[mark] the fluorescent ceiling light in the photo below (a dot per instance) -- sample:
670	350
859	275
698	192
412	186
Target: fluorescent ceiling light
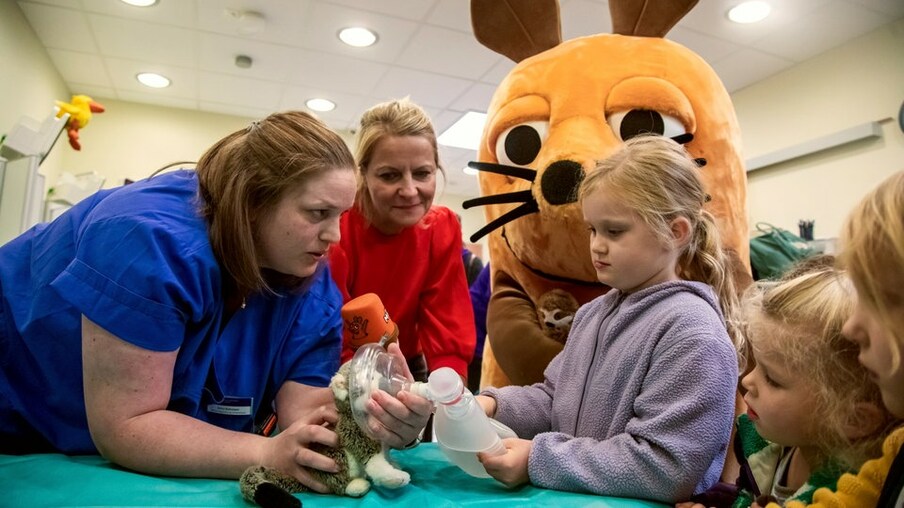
357	36
749	12
466	132
320	105
153	80
140	3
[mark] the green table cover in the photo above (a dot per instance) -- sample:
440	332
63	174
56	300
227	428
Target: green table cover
58	480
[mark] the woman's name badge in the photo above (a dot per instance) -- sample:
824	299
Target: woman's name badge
232	406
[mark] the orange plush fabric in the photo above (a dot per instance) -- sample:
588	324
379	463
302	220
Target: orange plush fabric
554	115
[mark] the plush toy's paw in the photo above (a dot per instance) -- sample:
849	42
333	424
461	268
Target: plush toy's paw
357	487
339	385
385	474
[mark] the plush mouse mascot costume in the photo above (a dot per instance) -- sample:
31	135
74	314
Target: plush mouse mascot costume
564	106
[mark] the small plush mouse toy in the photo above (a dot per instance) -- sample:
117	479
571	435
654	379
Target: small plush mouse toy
361	460
556	309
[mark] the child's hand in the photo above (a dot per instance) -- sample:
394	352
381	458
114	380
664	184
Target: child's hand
511	467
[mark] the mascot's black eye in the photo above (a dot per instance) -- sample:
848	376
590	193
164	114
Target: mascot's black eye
628	124
520	145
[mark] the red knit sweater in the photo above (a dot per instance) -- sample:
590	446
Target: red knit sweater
419	276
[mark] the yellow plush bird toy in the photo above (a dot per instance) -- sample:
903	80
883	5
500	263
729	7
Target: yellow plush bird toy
80	111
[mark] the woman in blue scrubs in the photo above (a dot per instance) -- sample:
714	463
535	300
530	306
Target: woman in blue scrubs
161	322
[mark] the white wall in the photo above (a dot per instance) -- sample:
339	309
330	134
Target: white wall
859	82
131	140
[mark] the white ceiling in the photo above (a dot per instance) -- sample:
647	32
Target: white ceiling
426	50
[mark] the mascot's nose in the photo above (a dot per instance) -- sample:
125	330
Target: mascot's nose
559	183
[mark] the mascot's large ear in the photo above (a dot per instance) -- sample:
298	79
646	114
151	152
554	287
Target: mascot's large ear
647	18
517	29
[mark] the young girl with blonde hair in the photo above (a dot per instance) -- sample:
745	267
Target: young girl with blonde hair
873	253
640	402
812	413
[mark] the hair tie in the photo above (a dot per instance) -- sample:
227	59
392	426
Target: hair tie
254	125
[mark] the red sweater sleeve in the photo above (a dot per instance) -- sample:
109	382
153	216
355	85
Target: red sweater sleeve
446	317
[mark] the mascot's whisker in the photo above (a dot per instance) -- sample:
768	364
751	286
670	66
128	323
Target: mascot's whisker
524	196
517	212
504	169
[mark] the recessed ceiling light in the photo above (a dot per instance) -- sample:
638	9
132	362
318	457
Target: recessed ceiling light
749	12
468	170
322	105
140	3
466	132
152	79
357	36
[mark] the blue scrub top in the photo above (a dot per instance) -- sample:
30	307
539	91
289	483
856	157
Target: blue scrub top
137	261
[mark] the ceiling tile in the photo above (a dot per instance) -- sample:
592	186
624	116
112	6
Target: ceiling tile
348	107
83	68
583	17
714	21
122	73
98	93
747	67
320	32
149	42
46	22
182	13
235	91
335	72
284	20
447	52
409	9
476	98
894	8
269	61
424	88
157	100
235	110
835	21
454	14
499	71
708	47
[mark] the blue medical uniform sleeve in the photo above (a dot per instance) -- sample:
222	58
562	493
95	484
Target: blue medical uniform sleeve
311	354
142	277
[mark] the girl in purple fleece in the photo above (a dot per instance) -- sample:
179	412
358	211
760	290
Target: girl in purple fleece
640	403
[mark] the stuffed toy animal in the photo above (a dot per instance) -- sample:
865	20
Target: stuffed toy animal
361	460
564	106
80	111
556	310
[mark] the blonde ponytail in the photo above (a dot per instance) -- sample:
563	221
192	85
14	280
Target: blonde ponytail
705	260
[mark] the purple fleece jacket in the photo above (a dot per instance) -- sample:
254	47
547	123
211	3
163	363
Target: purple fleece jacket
639	404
